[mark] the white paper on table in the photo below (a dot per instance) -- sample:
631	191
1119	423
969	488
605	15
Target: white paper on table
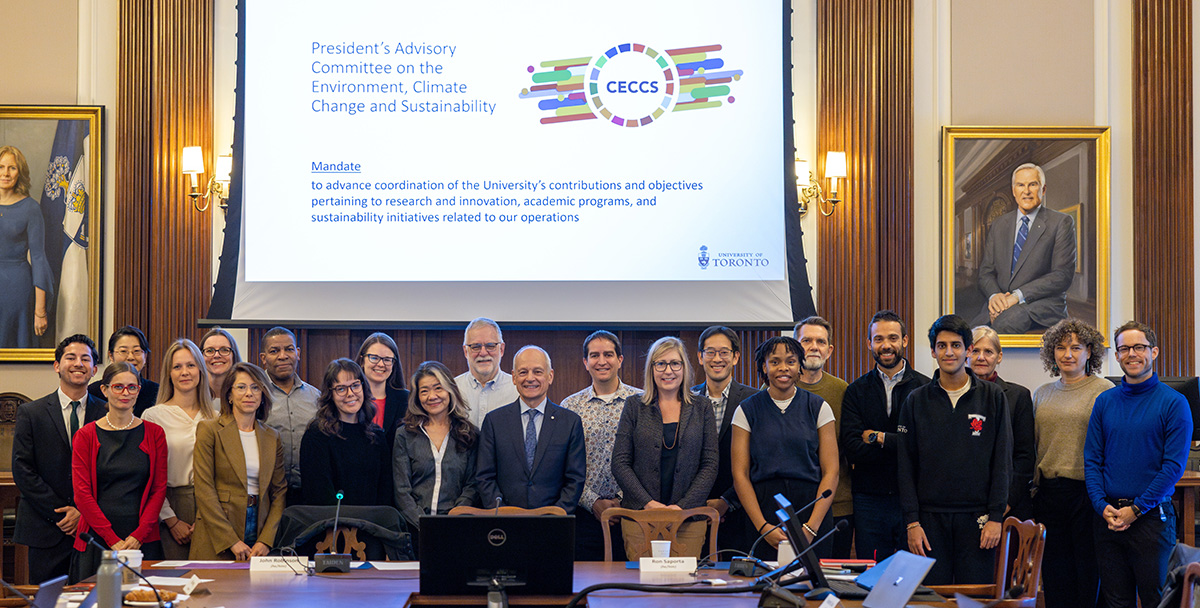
396	565
173	581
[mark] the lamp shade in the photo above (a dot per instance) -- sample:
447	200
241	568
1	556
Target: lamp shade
192	160
835	164
802	171
224	168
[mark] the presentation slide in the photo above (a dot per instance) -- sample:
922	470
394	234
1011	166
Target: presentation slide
525	141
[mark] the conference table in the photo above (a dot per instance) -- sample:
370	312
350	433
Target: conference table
372	588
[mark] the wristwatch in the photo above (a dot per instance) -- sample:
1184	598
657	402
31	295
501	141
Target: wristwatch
873	436
1137	511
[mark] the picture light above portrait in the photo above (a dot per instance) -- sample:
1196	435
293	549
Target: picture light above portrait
192	163
811	191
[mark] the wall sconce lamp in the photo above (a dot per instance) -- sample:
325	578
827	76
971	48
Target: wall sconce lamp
192	163
809	187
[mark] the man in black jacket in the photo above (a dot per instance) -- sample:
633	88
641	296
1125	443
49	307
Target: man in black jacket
41	458
870	413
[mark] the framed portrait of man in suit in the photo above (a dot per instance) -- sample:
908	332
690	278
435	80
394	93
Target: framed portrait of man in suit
51	187
1025	227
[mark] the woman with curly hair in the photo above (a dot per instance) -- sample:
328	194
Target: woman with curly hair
1073	351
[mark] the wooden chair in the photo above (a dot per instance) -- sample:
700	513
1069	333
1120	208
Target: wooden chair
349	537
9	599
1191	578
657	524
465	510
1018	562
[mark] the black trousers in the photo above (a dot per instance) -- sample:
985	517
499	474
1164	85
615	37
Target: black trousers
1069	574
843	540
1133	562
954	542
46	563
800	493
589	538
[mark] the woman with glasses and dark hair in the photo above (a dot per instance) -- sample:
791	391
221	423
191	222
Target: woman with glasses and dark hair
119	468
665	452
220	355
784	443
343	450
240	483
434	452
379	357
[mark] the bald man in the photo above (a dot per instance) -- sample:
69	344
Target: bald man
531	451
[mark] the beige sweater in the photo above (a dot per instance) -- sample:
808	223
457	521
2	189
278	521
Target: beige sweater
1060	419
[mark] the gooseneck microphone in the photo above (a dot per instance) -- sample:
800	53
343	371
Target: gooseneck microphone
745	566
783	569
498	499
333	561
90	539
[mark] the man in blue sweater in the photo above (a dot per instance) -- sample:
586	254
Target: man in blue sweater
1137	444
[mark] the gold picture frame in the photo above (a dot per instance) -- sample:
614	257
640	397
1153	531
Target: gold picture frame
978	164
64	149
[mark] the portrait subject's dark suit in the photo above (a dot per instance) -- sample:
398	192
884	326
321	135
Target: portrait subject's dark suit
1043	272
41	466
559	464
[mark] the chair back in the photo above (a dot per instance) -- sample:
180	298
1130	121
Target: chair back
1019	557
1191	578
465	510
657	524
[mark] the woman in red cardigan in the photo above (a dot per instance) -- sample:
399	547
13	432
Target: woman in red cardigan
119	471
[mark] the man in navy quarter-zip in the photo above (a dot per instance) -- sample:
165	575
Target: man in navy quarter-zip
955	463
1138	440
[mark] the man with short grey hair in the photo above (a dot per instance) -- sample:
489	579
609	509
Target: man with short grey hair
484	385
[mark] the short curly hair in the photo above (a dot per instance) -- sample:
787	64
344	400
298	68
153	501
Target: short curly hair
1086	334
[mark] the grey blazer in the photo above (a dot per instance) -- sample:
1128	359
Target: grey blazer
1045	269
413	473
637	453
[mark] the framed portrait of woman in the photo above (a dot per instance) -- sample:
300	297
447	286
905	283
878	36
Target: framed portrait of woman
51	191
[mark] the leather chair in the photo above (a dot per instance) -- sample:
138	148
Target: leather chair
466	510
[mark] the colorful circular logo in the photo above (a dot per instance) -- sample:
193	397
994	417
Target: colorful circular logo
631	85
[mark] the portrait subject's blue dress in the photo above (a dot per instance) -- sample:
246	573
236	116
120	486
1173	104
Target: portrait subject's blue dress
22	240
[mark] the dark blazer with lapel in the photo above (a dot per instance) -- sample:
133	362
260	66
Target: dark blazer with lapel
1044	270
723	486
220	478
41	464
394	405
559	465
1020	409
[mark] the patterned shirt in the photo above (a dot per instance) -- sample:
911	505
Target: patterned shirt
600	420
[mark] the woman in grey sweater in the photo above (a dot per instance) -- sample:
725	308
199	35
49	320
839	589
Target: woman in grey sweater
665	454
1074	351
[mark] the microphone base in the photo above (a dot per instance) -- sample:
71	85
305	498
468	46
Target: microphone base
741	566
332	562
778	597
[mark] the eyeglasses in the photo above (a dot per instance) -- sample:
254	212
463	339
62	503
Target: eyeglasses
224	351
1137	348
488	346
340	390
713	353
126	352
661	366
130	389
247	388
376	359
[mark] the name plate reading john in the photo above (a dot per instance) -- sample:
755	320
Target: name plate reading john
291	564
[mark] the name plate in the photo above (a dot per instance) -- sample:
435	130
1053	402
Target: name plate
685	565
292	564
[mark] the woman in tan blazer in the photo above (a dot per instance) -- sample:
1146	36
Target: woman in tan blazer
239	476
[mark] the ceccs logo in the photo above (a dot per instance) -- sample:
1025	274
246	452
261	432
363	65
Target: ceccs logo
622	86
631	85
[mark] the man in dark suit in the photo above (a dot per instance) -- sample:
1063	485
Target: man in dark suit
41	460
720	351
129	344
1028	260
531	451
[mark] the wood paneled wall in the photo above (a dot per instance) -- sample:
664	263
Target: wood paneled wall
1163	255
864	92
163	246
318	347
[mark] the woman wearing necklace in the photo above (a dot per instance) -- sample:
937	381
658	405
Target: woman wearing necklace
379	357
26	283
434	452
784	443
220	355
119	468
183	402
665	452
240	482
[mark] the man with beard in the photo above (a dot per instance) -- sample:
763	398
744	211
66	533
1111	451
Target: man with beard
293	401
814	334
484	385
868	439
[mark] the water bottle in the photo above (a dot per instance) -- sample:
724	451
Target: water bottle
786	553
108	581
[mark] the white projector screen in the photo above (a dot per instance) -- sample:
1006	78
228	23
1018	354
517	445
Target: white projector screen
536	162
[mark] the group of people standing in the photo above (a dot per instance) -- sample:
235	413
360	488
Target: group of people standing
202	464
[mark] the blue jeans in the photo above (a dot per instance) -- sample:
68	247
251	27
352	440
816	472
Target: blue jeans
251	532
878	526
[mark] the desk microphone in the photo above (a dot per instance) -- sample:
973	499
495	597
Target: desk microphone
90	539
333	562
745	566
498	499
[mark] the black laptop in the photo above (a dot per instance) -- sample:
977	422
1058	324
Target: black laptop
527	555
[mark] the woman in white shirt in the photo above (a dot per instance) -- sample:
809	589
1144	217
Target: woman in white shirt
240	483
183	401
434	453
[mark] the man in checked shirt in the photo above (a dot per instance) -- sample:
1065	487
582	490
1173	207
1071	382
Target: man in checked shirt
599	405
